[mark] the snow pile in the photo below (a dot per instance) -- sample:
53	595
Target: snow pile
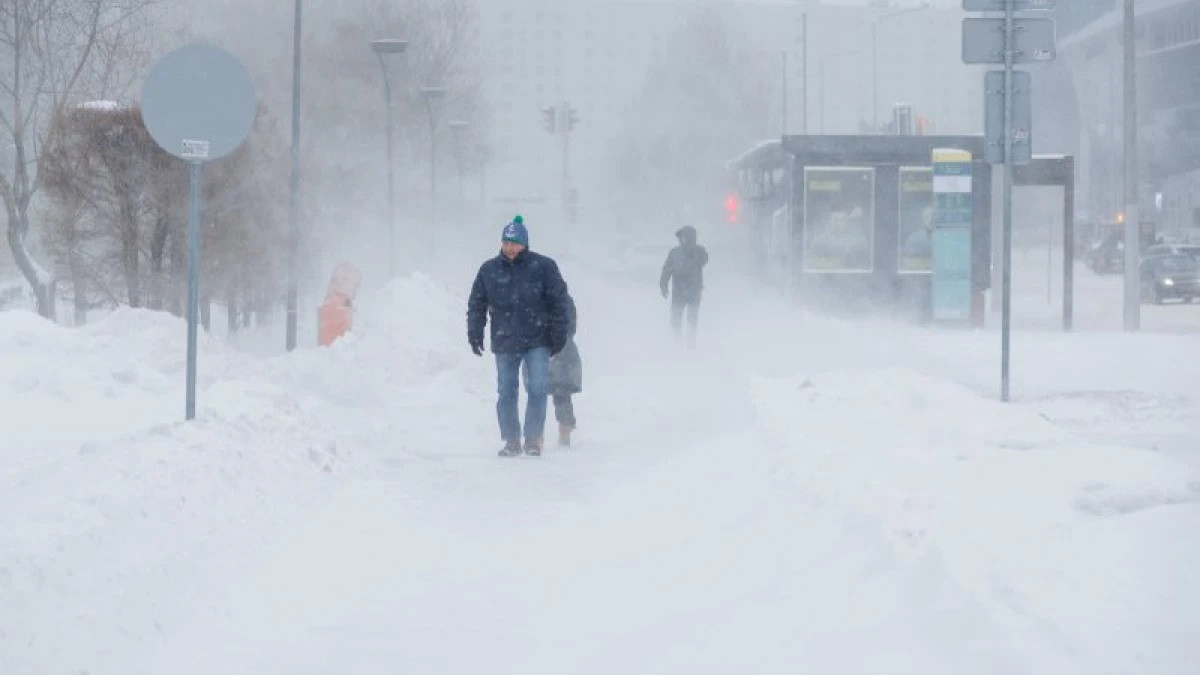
400	379
1043	527
61	386
112	510
102	105
406	334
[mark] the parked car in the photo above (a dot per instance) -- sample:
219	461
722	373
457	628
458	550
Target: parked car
1157	250
1174	276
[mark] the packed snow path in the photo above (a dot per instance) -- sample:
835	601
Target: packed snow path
797	495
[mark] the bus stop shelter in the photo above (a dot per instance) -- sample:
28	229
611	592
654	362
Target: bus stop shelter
861	219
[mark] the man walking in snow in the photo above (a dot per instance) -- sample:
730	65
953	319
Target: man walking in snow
684	272
527	300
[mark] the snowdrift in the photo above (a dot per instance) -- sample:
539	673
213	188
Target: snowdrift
339	509
1078	547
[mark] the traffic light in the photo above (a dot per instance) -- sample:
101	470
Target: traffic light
550	119
572	119
731	209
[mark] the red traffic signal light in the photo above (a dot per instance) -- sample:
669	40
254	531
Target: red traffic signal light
731	209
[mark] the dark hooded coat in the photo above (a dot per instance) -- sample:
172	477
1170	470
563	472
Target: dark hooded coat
684	268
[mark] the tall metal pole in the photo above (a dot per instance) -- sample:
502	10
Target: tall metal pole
1006	283
1132	219
784	97
196	176
432	170
821	76
1068	256
387	104
804	72
875	75
294	189
1049	262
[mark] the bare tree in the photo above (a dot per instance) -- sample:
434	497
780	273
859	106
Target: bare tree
345	94
702	102
48	48
118	199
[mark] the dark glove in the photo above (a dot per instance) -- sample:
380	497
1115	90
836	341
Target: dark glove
476	345
557	346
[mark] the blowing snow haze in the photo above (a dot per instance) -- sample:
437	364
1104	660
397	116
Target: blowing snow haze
662	337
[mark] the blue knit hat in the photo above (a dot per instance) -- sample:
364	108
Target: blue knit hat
516	232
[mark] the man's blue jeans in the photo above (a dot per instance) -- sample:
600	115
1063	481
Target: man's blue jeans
508	382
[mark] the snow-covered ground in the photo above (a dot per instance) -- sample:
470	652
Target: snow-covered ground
800	494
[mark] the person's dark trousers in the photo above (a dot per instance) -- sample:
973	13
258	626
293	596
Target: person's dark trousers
692	309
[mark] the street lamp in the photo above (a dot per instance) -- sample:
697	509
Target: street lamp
294	190
875	58
1130	178
457	128
382	47
430	95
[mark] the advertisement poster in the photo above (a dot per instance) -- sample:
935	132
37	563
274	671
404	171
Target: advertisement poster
839	219
916	219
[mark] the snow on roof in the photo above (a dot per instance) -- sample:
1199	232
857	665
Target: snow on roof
110	106
757	148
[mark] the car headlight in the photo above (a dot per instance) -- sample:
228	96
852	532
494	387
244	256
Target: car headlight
1168	282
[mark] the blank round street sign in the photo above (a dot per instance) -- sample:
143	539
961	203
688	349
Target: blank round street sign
198	103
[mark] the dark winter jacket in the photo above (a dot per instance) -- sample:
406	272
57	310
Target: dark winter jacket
685	266
527	301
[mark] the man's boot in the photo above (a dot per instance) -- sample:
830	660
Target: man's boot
533	447
510	449
564	435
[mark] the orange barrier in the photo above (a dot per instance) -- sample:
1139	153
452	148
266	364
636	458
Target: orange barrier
335	316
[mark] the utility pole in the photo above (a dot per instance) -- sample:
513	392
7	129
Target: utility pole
1006	256
294	187
804	71
1132	219
784	96
875	76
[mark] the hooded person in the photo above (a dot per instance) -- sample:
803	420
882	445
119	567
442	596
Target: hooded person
524	296
682	280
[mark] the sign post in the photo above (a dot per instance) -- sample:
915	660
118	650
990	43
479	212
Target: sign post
198	104
1008	40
